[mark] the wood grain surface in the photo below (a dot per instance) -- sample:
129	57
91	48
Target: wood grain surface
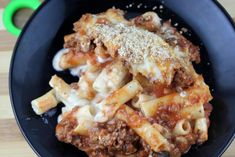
12	143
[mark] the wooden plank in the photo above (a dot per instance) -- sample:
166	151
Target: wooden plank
3	3
229	5
6	110
15	149
9	135
230	152
4	84
5	58
7	41
1	24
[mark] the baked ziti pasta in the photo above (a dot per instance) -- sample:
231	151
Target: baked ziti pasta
138	94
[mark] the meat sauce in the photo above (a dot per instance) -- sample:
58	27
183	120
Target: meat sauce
115	137
105	139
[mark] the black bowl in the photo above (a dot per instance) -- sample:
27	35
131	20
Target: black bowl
31	68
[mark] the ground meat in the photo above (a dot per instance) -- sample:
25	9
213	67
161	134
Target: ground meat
194	53
172	36
208	108
145	147
64	130
182	79
116	136
98	153
146	22
77	42
146	151
167	116
70	41
104	140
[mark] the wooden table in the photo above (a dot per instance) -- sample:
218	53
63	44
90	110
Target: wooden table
12	143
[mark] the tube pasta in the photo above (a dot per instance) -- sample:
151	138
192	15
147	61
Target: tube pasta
113	102
44	103
201	129
66	94
190	112
149	20
149	108
85	89
60	87
111	78
182	127
191	103
164	131
193	112
143	128
141	98
72	59
85	116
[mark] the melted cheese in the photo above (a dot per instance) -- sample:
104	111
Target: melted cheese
78	70
56	59
103	60
73	100
149	69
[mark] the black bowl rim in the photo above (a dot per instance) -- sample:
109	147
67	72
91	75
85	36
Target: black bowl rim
222	149
10	76
225	147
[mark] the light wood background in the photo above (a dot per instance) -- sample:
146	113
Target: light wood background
12	143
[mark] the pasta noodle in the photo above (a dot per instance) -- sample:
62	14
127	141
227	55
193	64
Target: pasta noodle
114	101
143	128
141	98
111	78
191	103
65	93
182	127
85	120
44	103
201	129
72	59
136	94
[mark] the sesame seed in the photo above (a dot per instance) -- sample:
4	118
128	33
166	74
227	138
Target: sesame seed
138	6
154	8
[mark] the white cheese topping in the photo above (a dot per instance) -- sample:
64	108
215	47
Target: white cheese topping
78	70
103	60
